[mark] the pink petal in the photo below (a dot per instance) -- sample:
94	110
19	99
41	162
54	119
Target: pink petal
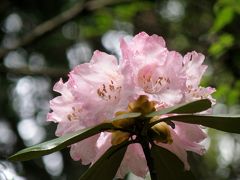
194	69
133	161
191	132
65	127
85	150
103	144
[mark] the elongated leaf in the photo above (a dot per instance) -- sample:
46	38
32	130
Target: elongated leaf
58	143
66	140
224	17
168	166
221	122
126	116
106	167
192	107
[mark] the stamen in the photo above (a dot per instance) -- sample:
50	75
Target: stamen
109	92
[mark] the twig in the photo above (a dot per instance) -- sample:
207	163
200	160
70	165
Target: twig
52	72
57	21
97	4
45	27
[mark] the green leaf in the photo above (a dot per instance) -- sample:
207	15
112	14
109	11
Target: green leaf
59	143
192	107
106	167
224	42
221	122
168	166
66	140
126	116
125	12
224	17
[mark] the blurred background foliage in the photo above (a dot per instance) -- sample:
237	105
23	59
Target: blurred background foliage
41	40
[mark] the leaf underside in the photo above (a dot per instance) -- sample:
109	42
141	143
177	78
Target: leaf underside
168	166
220	122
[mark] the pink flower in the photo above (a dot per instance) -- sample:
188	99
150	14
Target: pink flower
168	78
92	94
95	91
152	70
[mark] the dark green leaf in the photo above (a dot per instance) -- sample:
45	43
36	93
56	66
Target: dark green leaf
221	122
59	143
106	167
192	107
168	166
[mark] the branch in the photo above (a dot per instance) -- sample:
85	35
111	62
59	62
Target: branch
97	4
52	72
45	27
59	20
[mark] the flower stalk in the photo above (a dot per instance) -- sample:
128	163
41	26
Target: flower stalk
150	162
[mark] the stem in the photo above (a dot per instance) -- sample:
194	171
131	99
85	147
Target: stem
52	72
150	162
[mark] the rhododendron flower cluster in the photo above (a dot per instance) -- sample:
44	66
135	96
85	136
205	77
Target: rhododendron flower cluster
96	91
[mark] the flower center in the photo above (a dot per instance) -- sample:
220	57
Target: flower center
109	91
151	80
135	126
75	114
